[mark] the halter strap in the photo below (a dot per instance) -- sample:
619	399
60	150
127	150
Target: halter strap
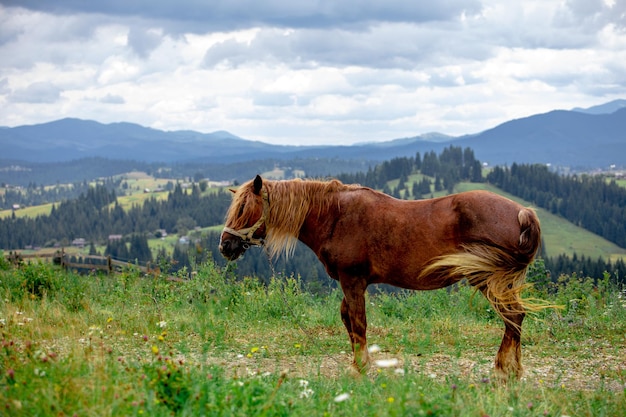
247	234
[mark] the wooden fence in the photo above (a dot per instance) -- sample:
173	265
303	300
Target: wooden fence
81	262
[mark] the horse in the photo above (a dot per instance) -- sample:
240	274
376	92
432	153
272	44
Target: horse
365	237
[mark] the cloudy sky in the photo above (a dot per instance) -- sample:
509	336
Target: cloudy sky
309	71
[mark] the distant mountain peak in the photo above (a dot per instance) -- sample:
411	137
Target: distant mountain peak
606	108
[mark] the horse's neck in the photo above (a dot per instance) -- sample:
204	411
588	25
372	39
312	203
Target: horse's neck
322	215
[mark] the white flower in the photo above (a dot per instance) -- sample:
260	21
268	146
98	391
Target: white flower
374	349
387	363
303	383
162	324
3	322
342	397
306	393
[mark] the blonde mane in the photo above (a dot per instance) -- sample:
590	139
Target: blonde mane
290	202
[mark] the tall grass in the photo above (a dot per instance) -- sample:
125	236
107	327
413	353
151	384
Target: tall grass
212	345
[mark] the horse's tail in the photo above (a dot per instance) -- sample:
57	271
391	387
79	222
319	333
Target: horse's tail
498	273
530	234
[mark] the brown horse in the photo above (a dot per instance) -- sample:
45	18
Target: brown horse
365	237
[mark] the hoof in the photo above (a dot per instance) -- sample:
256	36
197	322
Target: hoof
359	369
505	377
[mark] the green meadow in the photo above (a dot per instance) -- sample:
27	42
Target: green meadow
132	345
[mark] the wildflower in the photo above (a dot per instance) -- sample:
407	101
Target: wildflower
3	322
390	400
342	397
297	345
162	324
254	350
399	371
303	383
155	350
306	393
374	349
110	319
387	363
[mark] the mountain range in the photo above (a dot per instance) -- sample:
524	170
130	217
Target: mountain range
579	138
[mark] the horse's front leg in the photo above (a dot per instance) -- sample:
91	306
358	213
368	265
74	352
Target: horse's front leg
353	317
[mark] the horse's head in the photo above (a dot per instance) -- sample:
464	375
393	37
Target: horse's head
245	220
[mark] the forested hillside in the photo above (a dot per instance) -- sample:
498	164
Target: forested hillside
96	214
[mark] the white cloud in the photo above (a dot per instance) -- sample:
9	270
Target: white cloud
39	92
308	72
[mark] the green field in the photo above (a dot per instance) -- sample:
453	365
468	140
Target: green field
135	346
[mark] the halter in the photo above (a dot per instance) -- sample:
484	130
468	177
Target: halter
247	234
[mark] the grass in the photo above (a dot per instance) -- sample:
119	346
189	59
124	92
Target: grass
129	345
34	211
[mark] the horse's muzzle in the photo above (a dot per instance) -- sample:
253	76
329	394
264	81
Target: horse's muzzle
232	247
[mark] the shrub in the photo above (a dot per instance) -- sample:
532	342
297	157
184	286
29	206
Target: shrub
38	279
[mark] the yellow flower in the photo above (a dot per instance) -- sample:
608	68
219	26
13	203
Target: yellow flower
155	350
254	350
390	400
110	319
297	345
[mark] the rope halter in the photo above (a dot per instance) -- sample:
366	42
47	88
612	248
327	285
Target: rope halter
247	234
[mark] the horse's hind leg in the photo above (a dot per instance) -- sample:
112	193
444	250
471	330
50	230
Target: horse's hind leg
508	363
353	317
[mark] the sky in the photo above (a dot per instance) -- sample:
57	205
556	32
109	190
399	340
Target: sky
311	71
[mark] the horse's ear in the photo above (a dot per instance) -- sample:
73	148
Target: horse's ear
258	184
232	190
